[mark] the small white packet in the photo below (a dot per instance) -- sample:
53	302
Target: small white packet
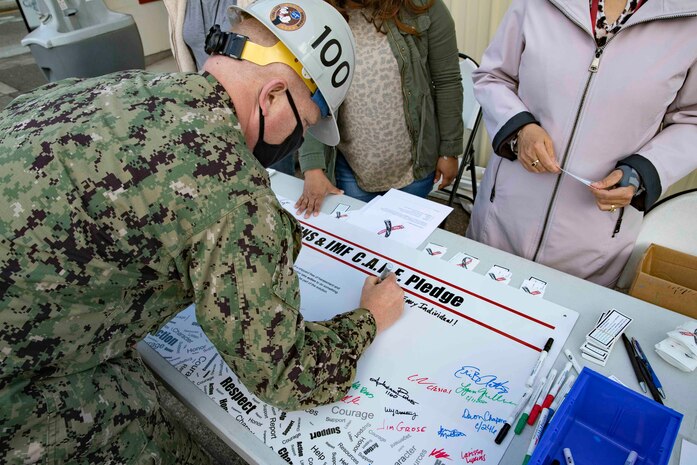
500	274
533	286
593	359
597	354
435	250
340	212
686	336
676	355
465	261
608	329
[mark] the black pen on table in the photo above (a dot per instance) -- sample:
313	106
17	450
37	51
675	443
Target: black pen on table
649	368
633	360
647	377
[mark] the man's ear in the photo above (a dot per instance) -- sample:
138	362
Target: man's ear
270	94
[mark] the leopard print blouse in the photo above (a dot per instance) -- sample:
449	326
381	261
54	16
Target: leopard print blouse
604	31
375	139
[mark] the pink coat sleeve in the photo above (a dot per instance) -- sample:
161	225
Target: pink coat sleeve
673	151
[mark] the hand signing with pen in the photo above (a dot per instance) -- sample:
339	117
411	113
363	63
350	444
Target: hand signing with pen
608	196
384	299
536	151
317	186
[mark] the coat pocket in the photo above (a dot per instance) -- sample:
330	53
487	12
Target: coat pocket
492	196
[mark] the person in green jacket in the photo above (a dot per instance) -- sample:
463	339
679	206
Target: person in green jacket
127	197
401	122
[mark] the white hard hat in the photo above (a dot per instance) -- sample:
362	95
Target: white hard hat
321	40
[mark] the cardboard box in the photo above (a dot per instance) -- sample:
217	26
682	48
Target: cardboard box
667	278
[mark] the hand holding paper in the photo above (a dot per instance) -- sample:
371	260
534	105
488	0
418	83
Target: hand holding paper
607	196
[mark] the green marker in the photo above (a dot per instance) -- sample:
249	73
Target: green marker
539	429
528	408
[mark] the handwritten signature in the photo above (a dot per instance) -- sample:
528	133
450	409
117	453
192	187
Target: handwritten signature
490	381
449	433
362	390
401	412
475	455
480	395
439	454
484	422
394	393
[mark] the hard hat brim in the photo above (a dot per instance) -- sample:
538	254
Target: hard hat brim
326	130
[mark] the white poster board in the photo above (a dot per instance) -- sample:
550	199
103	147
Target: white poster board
434	388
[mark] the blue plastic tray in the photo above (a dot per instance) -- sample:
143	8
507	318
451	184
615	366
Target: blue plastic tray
601	421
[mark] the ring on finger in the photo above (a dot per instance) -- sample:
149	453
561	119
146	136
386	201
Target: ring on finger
534	164
612	208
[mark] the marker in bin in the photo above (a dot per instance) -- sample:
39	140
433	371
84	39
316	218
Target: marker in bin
537	408
557	385
539	429
631	459
528	408
563	392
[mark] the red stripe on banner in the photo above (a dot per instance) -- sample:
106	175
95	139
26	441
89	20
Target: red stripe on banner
473	294
419	296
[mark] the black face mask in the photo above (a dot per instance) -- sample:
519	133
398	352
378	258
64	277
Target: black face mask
268	154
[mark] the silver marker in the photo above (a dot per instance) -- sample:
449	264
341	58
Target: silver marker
385	272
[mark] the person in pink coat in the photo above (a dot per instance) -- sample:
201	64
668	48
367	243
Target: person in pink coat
603	90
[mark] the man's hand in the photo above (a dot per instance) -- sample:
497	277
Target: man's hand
536	151
384	299
315	189
609	198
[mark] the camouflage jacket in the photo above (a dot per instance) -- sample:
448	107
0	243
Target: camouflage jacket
125	198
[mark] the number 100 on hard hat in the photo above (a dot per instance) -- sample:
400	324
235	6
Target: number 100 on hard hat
321	40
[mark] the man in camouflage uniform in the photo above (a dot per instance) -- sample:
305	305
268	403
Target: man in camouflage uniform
124	199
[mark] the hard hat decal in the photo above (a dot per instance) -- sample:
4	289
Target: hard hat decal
287	16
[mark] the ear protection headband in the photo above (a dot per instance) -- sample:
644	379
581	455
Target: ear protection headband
239	47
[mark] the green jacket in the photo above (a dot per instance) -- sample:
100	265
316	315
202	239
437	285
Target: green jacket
431	82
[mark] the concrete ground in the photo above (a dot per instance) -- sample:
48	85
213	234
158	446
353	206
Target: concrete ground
19	73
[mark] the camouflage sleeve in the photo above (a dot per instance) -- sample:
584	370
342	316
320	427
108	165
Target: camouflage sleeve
247	302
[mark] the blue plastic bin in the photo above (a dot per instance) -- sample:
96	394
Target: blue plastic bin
601	421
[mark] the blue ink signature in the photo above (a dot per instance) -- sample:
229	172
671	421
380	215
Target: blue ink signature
486	422
449	433
490	381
